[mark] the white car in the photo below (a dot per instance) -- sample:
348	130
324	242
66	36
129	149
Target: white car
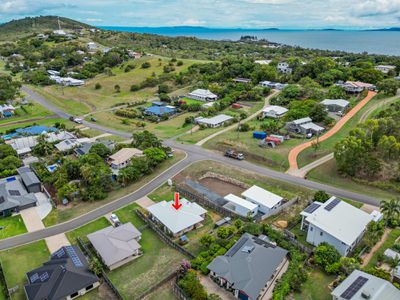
114	220
78	121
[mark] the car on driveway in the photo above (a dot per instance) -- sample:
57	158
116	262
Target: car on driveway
115	220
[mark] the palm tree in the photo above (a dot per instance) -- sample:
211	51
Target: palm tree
391	208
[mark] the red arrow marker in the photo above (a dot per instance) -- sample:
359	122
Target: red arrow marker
176	203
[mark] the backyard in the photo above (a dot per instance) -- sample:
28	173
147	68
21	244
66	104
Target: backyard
16	262
393	236
316	287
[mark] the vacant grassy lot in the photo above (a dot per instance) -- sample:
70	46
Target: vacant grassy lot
275	158
327	173
44	122
392	237
105	97
58	216
157	262
83	231
17	261
11	226
316	287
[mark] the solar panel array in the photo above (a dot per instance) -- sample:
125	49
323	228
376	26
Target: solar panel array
44	277
75	258
34	277
354	288
14	193
332	204
311	208
59	253
236	247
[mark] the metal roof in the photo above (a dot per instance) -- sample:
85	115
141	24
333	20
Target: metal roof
262	196
241	202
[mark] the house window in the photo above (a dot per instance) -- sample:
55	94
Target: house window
321	233
311	229
74	295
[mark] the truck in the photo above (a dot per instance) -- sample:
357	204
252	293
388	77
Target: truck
234	154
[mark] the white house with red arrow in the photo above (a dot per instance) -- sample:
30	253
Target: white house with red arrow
177	219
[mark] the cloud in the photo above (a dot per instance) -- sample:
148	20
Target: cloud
94	20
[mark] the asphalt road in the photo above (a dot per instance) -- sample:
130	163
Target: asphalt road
194	154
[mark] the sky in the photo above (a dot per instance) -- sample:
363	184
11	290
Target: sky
293	14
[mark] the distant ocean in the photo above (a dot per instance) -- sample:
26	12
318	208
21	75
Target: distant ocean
373	42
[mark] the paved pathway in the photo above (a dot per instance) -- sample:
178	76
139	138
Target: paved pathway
145	202
293	154
203	141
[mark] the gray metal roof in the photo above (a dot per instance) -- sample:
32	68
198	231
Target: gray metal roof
28	177
249	264
13	194
377	288
67	272
115	244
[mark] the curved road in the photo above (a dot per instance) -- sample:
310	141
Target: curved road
194	154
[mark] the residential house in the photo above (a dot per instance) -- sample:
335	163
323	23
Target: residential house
249	267
116	246
92	46
240	206
242	80
202	95
67	81
160	110
177	222
6	111
86	146
214	122
123	157
385	68
274	111
65	276
14	197
363	286
265	200
335	222
263	62
273	85
304	126
283	67
355	86
133	54
70	144
30	180
59	32
336	105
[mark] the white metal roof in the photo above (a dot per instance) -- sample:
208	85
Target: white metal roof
203	93
215	120
177	220
262	197
344	221
302	121
339	102
279	110
241	202
312	126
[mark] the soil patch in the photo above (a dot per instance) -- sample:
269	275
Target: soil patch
220	187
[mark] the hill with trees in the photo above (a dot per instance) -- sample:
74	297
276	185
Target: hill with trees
17	29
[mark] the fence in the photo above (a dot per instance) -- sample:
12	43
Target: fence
157	285
291	238
206	202
163	235
179	292
89	253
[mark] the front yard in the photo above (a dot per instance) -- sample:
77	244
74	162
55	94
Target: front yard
16	262
11	226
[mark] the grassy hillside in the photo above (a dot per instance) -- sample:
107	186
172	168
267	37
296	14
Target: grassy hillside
24	27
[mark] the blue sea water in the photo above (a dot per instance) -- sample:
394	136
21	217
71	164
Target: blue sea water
373	42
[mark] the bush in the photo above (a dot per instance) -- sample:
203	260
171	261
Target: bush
134	88
321	196
97	86
146	65
327	257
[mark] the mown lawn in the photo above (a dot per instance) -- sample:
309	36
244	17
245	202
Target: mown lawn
392	237
164	192
84	230
16	262
45	122
328	174
27	112
158	260
79	207
11	226
316	287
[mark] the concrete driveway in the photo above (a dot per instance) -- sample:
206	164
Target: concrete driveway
32	220
55	242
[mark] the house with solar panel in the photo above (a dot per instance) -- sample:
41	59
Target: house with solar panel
335	222
65	276
363	286
250	268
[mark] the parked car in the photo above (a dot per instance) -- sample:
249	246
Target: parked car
234	154
93	119
78	121
115	220
71	118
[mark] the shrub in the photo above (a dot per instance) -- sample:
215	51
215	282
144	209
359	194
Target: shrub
146	65
97	86
134	88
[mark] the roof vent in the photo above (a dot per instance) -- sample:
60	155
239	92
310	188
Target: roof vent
248	249
365	294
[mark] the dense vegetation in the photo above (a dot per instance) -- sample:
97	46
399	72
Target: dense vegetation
371	152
